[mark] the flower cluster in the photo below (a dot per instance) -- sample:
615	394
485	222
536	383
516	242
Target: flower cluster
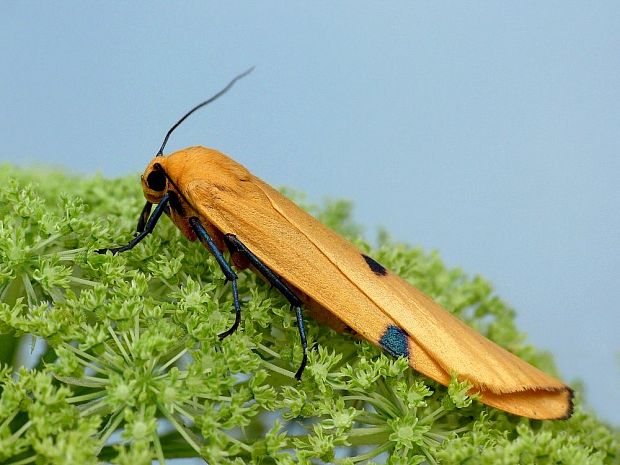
116	359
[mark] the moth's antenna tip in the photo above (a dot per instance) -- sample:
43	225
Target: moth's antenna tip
160	152
246	72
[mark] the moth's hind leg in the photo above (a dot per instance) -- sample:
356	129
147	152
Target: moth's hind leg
235	245
231	276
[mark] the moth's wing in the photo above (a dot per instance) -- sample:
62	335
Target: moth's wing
384	309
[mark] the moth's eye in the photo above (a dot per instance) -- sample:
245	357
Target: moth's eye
156	180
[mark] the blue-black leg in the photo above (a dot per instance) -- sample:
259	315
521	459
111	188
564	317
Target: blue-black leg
148	227
235	245
304	341
144	216
230	275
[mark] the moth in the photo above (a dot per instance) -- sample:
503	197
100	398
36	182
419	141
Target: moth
213	199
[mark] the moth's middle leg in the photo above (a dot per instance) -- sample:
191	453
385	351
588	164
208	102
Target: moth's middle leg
231	276
235	245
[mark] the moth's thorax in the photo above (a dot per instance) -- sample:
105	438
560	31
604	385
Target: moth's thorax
204	165
185	169
175	174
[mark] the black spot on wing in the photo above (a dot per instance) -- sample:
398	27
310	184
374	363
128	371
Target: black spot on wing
394	341
376	267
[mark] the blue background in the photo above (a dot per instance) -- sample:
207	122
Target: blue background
489	131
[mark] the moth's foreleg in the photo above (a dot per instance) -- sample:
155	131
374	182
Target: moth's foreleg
234	244
144	216
204	237
146	230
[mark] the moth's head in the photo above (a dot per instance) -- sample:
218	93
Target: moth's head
154	180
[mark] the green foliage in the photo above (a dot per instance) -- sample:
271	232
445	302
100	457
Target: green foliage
128	345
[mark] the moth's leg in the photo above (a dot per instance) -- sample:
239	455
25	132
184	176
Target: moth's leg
234	244
204	237
148	227
144	216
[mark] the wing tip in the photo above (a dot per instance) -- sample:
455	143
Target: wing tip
551	403
570	405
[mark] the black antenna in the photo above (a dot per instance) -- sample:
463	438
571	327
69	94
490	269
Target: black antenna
200	105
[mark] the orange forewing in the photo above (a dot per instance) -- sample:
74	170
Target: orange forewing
335	277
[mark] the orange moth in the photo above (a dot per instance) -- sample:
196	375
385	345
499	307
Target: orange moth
216	200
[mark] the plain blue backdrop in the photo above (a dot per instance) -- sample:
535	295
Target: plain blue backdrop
488	130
